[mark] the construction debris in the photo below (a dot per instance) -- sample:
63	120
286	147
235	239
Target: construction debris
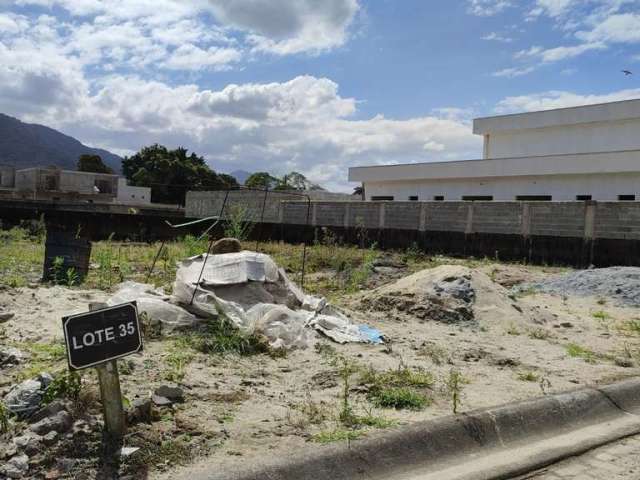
249	289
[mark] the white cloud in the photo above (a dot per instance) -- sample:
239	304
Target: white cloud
513	72
552	8
12	24
595	24
559	53
559	99
496	37
285	27
623	28
487	8
191	57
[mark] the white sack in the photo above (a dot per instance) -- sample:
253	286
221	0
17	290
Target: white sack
154	303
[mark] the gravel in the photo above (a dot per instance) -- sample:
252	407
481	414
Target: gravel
621	284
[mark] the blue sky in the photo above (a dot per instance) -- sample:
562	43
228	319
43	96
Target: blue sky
304	85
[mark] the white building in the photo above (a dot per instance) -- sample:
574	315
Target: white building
130	195
583	153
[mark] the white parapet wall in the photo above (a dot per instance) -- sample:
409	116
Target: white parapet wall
131	195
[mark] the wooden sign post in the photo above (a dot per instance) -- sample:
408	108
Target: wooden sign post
97	339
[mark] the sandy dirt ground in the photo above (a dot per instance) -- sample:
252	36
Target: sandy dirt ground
238	409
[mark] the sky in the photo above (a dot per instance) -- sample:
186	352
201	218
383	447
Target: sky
308	85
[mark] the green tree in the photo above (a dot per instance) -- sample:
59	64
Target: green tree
228	180
296	182
92	163
261	180
170	173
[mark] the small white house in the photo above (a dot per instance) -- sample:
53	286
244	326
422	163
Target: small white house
130	195
589	152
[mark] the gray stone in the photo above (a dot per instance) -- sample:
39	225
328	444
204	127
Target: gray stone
6	316
81	427
623	362
29	443
166	395
48	411
50	438
10	356
60	422
140	411
16	467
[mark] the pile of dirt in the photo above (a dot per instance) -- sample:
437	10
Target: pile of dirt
451	294
622	284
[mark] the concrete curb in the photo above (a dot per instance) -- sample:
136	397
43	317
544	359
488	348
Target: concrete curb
439	447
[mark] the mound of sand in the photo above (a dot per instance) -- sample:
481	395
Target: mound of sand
450	294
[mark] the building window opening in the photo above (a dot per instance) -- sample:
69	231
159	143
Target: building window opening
583	197
533	198
413	198
50	183
381	198
477	198
439	198
627	198
103	186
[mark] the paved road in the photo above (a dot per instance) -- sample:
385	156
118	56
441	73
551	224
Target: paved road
616	461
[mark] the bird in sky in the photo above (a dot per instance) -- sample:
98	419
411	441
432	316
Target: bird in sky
627	72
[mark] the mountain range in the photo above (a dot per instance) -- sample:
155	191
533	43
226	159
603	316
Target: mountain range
25	145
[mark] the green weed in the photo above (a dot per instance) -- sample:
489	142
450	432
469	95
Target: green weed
66	385
398	388
220	336
454	385
577	351
539	334
399	398
528	377
176	361
337	435
5	418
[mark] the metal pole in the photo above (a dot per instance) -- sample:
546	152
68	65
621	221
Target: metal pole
264	203
153	265
114	419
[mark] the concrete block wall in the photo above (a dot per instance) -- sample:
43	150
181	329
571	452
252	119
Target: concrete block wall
447	216
557	219
617	220
328	214
496	217
402	215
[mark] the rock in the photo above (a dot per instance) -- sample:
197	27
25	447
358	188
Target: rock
6	316
623	362
24	398
382	270
140	411
81	427
16	467
50	438
65	465
29	443
60	422
226	245
166	395
566	325
48	411
10	356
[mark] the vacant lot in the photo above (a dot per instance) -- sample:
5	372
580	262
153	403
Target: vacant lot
459	337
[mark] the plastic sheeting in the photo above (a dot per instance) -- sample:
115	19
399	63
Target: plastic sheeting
155	304
250	290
